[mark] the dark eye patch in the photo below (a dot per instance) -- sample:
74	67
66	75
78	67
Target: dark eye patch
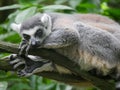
27	37
39	33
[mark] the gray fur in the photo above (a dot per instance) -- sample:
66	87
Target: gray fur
70	35
99	42
29	23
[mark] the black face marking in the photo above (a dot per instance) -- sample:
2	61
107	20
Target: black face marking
45	27
39	33
26	37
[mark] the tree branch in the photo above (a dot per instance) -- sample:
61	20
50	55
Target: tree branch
69	79
63	61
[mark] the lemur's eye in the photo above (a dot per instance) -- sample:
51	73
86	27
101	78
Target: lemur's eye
46	27
39	33
27	37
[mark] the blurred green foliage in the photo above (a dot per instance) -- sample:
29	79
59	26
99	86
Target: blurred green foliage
24	9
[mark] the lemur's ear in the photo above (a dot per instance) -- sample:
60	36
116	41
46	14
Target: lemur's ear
46	20
16	27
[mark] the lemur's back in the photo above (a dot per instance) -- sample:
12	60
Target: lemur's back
64	20
94	42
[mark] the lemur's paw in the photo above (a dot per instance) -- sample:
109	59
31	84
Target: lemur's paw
22	73
13	56
33	67
28	70
22	50
16	61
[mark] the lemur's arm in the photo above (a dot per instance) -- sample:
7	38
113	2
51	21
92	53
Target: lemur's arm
22	47
61	38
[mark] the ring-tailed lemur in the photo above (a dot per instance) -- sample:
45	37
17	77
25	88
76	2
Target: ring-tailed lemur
90	40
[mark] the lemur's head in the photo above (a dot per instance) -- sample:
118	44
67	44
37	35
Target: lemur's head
35	29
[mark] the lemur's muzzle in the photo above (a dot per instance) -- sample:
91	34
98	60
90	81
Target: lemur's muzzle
35	44
27	46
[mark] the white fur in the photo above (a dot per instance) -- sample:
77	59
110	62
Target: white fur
31	31
16	27
45	67
45	19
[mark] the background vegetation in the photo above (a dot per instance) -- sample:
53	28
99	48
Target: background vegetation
19	10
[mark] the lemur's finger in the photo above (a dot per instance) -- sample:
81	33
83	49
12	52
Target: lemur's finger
15	61
13	56
23	48
23	73
18	64
27	49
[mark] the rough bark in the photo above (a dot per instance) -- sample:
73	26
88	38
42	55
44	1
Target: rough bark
60	60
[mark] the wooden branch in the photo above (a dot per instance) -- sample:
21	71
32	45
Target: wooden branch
63	61
69	79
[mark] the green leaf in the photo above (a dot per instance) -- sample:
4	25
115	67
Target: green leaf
3	85
57	7
87	5
27	1
10	7
25	14
74	3
11	37
60	1
104	6
114	11
20	86
2	31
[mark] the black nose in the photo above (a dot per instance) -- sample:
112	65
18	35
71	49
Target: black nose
35	44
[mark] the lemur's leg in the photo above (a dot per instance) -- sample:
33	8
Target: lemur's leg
15	58
22	47
61	38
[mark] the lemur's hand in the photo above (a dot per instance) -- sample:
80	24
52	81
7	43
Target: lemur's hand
16	61
22	48
32	64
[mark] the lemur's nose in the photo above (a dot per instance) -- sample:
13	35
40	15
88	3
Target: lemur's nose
35	44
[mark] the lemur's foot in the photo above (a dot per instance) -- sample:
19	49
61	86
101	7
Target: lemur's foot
16	61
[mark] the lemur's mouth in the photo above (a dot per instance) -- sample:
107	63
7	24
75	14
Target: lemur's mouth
27	46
